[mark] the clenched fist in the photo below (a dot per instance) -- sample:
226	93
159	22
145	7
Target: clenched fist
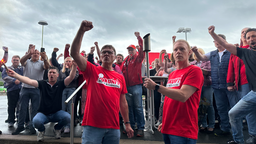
211	29
86	26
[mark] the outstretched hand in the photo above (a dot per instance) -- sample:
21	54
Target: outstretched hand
86	26
11	73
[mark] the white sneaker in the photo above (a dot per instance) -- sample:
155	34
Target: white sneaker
66	130
40	136
157	124
57	133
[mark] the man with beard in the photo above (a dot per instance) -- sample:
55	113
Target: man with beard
247	104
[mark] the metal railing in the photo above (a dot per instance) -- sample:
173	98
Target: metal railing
72	112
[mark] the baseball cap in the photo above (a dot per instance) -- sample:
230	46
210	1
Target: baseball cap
132	46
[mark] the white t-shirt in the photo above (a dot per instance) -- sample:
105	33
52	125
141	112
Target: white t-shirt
220	55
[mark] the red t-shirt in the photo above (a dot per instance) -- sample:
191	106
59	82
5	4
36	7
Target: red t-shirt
181	119
103	97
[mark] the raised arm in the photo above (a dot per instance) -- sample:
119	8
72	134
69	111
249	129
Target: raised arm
60	55
22	79
229	47
66	51
44	58
90	56
98	49
31	50
72	75
76	45
5	54
173	39
161	64
198	54
141	54
54	60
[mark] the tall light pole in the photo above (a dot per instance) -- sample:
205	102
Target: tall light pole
185	30
43	23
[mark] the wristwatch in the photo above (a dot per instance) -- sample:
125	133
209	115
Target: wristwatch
157	87
127	122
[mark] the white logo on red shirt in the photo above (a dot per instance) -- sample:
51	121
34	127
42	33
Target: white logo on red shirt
175	82
108	82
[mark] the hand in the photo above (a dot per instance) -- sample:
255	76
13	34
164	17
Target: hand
129	131
67	46
137	47
86	26
236	45
149	84
96	43
60	55
163	51
173	38
74	63
56	49
92	50
166	56
5	48
211	29
194	49
137	34
231	88
160	127
17	82
11	73
43	55
32	49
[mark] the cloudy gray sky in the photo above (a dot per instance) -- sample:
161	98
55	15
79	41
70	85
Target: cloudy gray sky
115	22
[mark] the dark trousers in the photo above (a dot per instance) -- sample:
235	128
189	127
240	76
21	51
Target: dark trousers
13	98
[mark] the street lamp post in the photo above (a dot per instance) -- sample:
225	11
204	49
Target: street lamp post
185	30
43	23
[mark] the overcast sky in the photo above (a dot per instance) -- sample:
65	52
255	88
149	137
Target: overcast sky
115	22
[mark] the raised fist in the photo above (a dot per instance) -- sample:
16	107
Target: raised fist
194	49
96	43
92	50
137	34
163	51
56	49
173	38
67	46
86	26
211	29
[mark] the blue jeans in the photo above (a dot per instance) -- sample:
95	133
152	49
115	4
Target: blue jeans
245	107
27	94
61	117
135	106
93	135
65	95
172	139
225	100
207	96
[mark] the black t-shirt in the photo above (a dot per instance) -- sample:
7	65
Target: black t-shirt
249	58
51	96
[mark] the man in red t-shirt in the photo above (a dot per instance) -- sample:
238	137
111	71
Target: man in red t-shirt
119	60
105	94
182	96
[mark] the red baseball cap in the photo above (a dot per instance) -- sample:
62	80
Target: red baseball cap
131	46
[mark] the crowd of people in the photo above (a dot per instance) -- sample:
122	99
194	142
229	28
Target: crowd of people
37	88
